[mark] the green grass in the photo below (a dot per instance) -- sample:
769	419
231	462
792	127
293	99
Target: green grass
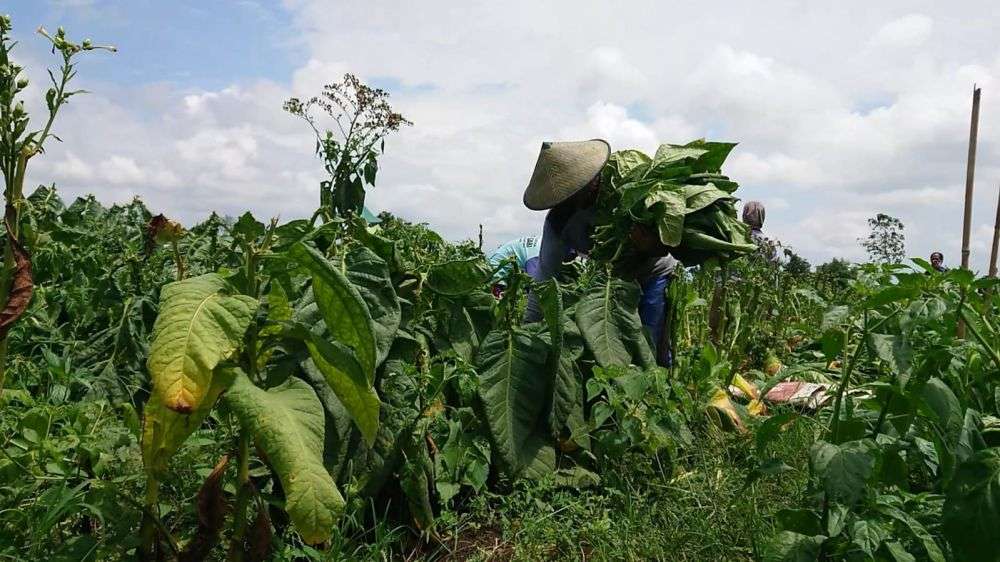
703	511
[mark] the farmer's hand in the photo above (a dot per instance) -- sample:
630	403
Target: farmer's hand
646	240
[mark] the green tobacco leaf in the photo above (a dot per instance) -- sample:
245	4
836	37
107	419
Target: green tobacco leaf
609	320
345	376
199	326
844	469
370	275
868	535
942	404
287	424
344	311
512	389
972	507
895	351
788	546
697	197
457	277
164	430
771	428
668	205
415	479
566	346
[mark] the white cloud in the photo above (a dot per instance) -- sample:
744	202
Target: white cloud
120	170
907	31
845	113
73	169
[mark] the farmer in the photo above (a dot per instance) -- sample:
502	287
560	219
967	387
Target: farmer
937	262
753	216
522	251
566	182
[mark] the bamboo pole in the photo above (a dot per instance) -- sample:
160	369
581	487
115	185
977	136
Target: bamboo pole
996	238
970	173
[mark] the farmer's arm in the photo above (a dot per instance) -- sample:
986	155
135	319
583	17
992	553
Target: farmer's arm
554	250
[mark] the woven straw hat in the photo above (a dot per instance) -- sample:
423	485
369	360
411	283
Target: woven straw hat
562	169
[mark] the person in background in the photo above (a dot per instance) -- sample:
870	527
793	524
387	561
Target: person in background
937	262
566	182
753	216
523	251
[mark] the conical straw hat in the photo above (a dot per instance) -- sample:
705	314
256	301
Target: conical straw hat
562	169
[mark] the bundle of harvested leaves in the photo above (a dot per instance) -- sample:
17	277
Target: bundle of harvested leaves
680	192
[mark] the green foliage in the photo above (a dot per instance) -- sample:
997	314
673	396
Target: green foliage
287	424
681	193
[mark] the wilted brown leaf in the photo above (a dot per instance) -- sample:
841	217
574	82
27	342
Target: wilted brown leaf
212	510
21	286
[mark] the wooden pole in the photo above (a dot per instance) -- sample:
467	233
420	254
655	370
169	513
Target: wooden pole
996	238
970	173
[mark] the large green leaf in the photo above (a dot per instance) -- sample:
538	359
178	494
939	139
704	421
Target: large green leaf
565	347
370	275
344	374
199	326
457	277
512	387
668	204
608	318
164	430
788	546
844	470
287	424
972	507
344	311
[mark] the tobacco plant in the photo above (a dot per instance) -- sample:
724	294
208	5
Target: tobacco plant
18	145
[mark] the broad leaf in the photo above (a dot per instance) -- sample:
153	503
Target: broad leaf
342	371
609	321
457	277
370	276
844	470
512	389
788	546
287	424
972	507
199	326
164	430
344	311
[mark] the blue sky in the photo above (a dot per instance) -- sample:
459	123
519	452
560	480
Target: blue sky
205	44
842	110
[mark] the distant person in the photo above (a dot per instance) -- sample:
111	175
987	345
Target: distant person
937	262
523	251
753	216
565	183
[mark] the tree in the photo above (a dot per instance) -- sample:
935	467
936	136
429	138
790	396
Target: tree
363	118
886	242
797	266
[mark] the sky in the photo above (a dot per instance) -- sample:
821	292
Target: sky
842	110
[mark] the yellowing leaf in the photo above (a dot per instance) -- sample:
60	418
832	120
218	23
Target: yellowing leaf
288	425
164	430
341	370
199	326
725	413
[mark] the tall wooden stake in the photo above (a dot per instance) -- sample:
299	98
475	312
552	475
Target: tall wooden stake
970	173
996	238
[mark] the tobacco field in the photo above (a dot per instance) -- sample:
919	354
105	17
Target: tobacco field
336	388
